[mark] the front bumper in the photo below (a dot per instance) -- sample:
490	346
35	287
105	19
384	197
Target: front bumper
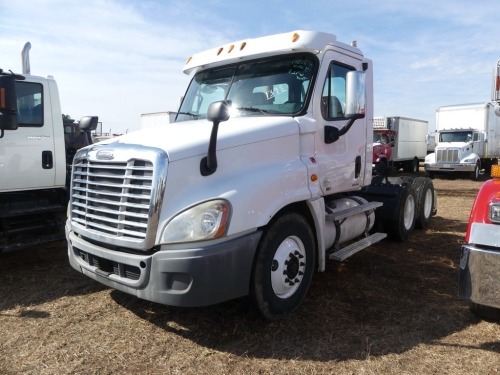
450	167
196	276
480	275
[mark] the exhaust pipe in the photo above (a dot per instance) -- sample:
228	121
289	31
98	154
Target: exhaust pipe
25	58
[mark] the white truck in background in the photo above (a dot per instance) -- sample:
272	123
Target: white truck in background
407	140
36	152
467	136
149	120
265	175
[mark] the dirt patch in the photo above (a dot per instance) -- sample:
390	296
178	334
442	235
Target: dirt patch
392	309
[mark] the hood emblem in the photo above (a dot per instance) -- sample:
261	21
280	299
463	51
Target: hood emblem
105	155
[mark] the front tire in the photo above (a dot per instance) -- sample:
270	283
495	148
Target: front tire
283	266
475	174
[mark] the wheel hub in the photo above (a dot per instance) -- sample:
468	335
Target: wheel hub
288	266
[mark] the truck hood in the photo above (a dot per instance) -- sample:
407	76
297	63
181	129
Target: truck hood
460	145
190	138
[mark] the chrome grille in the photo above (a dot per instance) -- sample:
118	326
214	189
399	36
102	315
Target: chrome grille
117	201
447	156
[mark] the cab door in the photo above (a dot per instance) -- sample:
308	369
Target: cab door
27	154
343	163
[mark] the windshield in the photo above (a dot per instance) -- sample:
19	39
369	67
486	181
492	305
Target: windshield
464	136
277	86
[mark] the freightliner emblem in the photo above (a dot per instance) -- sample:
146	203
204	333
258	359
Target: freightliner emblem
105	155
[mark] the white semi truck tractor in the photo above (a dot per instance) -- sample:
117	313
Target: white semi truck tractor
265	176
36	153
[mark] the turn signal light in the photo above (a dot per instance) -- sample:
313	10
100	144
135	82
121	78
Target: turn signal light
495	171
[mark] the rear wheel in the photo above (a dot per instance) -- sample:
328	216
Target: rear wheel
424	194
485	312
283	266
402	225
412	166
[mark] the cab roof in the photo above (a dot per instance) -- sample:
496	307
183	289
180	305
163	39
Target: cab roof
294	41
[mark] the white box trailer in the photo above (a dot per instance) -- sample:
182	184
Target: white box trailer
468	139
408	140
149	120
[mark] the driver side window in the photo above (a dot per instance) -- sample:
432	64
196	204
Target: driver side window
333	97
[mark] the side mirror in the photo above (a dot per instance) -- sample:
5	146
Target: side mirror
355	95
8	103
88	123
219	111
497	109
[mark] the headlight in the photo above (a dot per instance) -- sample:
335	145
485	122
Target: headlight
495	212
470	160
205	221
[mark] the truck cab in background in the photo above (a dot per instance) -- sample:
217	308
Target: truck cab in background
399	143
36	148
467	136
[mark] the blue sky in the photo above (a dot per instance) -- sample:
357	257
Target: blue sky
118	59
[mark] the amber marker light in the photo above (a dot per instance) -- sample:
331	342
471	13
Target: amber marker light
189	59
314	177
495	171
2	98
243	45
231	47
295	37
220	51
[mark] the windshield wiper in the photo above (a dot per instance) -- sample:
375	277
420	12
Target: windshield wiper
252	109
193	115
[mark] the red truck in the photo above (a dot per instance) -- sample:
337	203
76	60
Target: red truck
480	255
382	149
399	143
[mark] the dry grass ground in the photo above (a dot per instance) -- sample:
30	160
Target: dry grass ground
392	309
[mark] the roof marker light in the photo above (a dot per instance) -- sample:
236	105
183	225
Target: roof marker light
231	47
189	59
220	51
295	37
243	45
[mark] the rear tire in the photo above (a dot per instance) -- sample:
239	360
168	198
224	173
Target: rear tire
283	266
412	166
485	312
424	192
400	228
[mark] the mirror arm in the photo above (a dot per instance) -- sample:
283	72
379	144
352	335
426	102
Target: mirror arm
208	164
332	134
347	126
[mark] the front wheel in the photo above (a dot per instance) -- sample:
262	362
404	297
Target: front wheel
283	266
475	174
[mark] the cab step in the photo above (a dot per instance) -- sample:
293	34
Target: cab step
346	252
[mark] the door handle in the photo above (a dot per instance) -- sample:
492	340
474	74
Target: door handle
47	160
